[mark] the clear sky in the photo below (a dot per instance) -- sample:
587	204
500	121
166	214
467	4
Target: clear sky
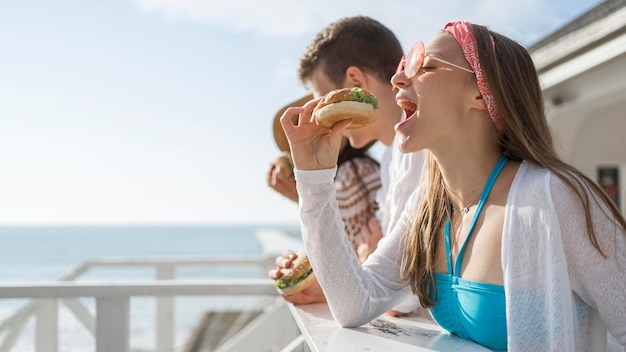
160	111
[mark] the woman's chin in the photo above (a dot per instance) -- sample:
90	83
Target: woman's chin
404	143
405	130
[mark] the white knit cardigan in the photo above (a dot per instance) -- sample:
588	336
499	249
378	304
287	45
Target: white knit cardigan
561	294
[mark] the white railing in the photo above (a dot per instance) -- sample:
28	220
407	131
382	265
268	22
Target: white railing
110	325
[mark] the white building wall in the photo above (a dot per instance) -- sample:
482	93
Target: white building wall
589	123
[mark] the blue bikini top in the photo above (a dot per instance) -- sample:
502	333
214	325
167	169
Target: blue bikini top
472	310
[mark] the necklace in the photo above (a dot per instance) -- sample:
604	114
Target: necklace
496	171
485	193
466	209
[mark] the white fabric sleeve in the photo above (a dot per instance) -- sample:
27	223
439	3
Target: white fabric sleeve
409	304
356	293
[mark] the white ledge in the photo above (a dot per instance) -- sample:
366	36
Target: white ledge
145	288
386	333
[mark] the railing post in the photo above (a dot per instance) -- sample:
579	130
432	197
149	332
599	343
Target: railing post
81	313
16	327
112	327
47	327
165	311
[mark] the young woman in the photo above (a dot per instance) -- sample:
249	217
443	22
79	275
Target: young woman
507	245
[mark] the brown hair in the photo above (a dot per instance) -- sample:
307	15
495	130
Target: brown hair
527	136
352	41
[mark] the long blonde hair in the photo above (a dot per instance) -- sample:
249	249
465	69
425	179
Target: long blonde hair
527	136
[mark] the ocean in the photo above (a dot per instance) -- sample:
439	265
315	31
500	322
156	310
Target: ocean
29	254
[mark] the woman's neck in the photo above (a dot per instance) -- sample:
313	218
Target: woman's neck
465	176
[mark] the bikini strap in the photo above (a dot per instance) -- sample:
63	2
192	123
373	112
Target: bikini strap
446	236
483	198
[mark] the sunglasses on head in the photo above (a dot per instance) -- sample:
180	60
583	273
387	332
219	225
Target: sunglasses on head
412	62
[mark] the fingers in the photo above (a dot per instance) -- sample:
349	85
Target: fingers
288	253
287	120
312	147
275	175
336	134
395	313
282	261
275	274
271	175
308	109
303	113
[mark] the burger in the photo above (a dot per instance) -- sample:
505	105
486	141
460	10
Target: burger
356	103
286	164
297	277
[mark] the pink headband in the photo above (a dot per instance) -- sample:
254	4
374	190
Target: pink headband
464	35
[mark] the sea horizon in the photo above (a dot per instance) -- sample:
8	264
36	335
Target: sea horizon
46	253
57	247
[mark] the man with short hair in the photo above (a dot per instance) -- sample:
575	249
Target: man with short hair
362	52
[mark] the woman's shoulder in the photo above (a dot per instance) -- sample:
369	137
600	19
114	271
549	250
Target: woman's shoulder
535	184
531	171
531	183
533	175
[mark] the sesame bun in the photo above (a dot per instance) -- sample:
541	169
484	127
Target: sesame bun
342	104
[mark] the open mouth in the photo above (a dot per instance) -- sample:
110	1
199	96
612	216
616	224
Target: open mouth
409	108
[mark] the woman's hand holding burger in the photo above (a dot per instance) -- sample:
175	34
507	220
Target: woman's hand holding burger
312	147
315	139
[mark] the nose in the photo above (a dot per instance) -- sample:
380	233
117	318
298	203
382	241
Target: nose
399	80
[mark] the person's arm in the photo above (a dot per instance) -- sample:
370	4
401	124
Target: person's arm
356	294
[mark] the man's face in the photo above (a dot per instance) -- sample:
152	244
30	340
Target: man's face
321	84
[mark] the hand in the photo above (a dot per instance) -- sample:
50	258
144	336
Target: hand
278	179
395	313
372	233
311	294
312	147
